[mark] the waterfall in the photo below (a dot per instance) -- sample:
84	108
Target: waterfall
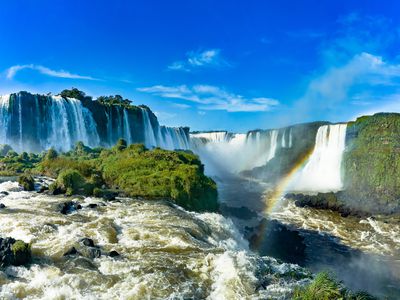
150	139
322	172
34	123
127	127
233	153
290	138
4	118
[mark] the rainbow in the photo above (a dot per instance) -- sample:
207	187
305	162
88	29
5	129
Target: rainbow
273	199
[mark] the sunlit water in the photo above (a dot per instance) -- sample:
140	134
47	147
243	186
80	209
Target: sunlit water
363	252
166	253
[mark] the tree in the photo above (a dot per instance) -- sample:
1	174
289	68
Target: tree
75	93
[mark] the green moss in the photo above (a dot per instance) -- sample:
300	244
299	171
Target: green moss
372	163
20	247
27	182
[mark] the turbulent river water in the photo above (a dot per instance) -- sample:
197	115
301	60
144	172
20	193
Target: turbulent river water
362	252
165	253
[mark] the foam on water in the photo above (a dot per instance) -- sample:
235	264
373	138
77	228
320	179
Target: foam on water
166	253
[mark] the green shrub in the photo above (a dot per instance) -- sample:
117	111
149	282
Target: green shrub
323	287
27	182
71	181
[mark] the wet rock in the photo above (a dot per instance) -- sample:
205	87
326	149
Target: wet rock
68	207
42	189
71	251
55	190
109	196
27	182
113	253
5	193
2	206
14	252
93	252
87	242
92	205
331	201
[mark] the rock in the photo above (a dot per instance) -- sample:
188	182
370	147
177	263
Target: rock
68	207
71	251
14	252
5	193
27	182
92	205
113	253
87	242
94	252
2	206
55	190
109	196
42	189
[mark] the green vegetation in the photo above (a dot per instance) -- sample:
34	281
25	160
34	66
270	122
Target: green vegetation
114	100
13	164
325	287
132	170
27	182
75	93
372	163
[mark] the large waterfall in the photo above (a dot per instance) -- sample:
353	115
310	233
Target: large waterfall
34	127
235	152
169	138
34	123
322	172
229	153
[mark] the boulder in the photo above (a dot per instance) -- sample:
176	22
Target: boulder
27	182
69	207
14	252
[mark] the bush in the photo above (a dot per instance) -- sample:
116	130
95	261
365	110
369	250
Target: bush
27	182
323	287
71	181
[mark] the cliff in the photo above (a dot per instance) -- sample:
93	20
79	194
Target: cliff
371	163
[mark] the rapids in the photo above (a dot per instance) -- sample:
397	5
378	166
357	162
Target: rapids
166	253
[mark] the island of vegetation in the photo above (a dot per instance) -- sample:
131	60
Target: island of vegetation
123	170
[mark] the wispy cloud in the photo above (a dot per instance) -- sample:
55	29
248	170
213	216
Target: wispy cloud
163	116
200	59
12	71
338	85
210	97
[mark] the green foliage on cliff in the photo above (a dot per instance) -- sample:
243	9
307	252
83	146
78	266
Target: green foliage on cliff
158	173
161	174
75	93
372	163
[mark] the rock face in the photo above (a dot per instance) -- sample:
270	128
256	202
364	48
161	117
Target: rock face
371	164
14	252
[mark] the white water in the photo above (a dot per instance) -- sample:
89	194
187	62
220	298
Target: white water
166	253
322	172
61	122
225	152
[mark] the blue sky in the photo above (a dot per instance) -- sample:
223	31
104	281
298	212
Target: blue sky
235	65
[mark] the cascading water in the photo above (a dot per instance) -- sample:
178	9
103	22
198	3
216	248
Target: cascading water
34	123
322	172
232	153
127	127
150	139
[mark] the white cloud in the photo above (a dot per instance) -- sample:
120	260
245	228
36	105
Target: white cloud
162	115
12	71
200	59
363	69
212	98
